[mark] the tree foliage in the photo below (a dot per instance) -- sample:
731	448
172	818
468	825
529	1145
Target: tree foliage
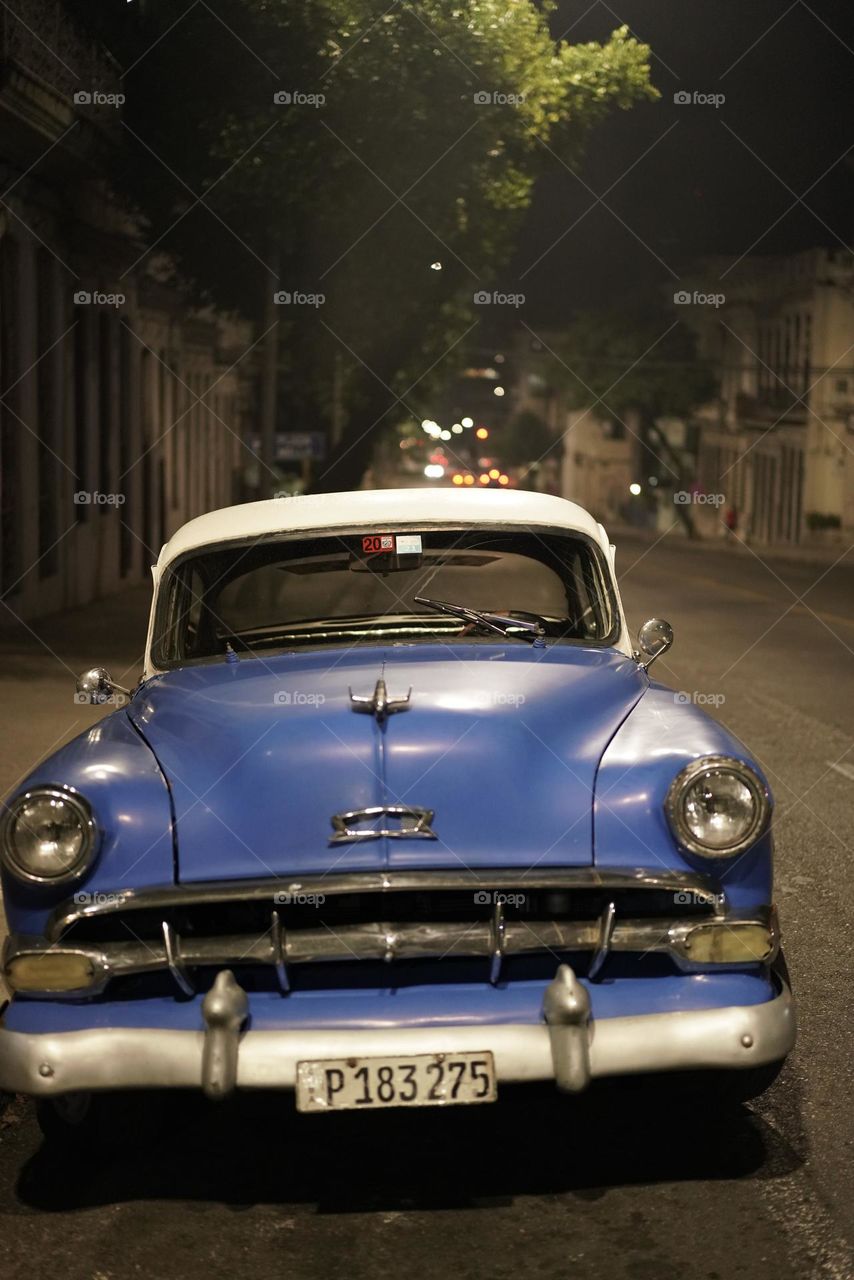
526	439
635	359
640	362
402	165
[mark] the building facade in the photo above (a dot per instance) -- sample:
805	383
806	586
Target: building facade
779	445
123	409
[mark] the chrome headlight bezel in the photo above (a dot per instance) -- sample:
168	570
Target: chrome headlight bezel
678	789
88	848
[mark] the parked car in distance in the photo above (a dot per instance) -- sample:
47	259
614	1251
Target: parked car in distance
396	815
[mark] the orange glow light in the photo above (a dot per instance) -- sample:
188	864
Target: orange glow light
484	479
457	479
469	480
502	479
494	473
482	433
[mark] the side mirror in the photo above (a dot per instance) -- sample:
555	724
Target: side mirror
654	638
97	686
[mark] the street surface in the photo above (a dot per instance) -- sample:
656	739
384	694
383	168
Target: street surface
620	1183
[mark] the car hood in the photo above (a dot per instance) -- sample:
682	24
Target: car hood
501	742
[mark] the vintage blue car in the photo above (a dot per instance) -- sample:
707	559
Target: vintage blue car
395	816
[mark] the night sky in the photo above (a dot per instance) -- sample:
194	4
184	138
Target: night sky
699	190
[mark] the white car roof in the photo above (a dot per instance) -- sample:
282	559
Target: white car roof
381	509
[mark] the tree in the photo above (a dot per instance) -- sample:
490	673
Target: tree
638	363
396	196
526	439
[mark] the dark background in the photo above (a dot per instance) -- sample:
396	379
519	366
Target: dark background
699	190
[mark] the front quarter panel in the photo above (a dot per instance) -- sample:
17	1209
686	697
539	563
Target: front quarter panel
657	740
117	773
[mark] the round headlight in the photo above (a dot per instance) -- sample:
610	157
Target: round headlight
48	834
717	807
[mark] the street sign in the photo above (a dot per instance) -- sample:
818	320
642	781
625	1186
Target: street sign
295	446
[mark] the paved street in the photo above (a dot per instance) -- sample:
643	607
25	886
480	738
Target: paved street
621	1183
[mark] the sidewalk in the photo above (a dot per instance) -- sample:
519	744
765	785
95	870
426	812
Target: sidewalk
735	546
105	632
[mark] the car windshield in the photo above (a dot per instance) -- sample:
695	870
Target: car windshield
298	591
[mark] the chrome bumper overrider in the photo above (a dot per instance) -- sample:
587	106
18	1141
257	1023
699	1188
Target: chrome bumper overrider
568	1047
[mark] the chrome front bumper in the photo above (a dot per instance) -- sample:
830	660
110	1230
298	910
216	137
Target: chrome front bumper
568	1047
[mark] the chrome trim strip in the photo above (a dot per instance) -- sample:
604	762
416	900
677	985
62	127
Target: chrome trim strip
174	960
255	890
280	951
387	940
497	941
603	943
132	1058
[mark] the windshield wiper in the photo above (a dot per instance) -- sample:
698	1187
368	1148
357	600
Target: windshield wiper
533	631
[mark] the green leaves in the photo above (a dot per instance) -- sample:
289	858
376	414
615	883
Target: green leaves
436	120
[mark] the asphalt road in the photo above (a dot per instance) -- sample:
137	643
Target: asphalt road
623	1183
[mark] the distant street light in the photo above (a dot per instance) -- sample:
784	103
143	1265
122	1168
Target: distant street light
634	489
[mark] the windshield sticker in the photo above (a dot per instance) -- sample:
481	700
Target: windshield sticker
378	542
409	544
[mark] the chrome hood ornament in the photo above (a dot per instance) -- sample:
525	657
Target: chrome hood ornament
378	703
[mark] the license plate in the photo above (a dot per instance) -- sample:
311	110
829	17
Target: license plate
420	1080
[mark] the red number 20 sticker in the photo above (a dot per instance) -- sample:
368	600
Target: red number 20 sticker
378	542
